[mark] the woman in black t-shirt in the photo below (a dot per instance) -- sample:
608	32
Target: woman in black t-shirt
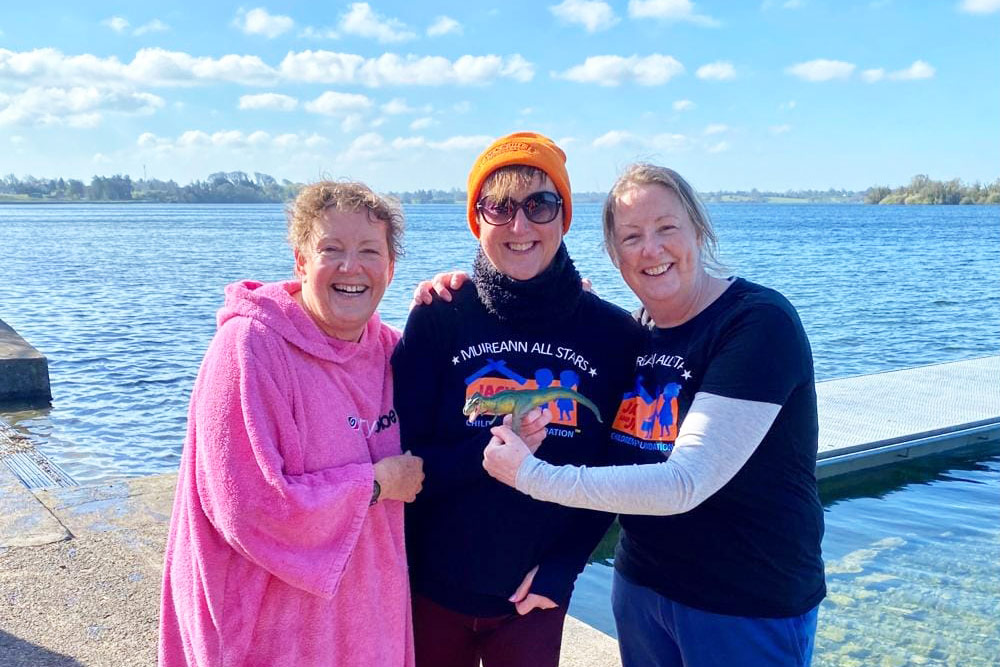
719	561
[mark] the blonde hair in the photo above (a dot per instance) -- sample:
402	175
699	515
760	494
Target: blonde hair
640	174
349	197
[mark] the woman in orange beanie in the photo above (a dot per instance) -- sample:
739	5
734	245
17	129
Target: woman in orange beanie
491	569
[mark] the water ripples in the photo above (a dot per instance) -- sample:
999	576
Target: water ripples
122	299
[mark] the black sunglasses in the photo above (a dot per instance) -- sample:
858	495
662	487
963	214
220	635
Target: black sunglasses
540	208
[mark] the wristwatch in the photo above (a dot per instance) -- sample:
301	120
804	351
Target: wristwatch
376	492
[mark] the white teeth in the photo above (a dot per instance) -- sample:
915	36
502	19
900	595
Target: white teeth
472	416
520	246
656	270
350	289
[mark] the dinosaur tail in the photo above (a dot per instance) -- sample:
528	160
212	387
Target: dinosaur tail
582	400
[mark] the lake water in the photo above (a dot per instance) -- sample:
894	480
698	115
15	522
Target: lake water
121	299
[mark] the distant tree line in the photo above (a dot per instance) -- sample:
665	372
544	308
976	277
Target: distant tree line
239	187
220	187
922	190
755	196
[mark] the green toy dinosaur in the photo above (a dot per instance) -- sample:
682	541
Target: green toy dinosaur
518	402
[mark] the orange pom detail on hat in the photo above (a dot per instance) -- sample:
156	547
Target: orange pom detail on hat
527	148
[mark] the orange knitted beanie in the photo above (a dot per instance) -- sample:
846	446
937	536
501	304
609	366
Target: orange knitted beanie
521	148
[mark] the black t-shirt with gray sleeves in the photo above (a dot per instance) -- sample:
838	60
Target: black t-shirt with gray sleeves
753	547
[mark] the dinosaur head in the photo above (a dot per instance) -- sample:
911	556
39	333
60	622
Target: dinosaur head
472	406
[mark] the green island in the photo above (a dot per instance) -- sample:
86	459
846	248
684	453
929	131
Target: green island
237	187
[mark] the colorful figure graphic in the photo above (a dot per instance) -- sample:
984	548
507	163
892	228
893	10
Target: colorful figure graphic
567	380
666	415
496	378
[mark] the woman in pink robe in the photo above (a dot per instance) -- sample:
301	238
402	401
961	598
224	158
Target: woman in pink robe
286	543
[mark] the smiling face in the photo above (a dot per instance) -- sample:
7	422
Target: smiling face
522	249
658	250
345	268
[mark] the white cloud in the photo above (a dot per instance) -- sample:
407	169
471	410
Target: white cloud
683	105
269	101
391	69
259	22
980	6
117	23
668	10
154	67
650	70
372	146
332	103
156	25
360	20
593	15
397	106
670	142
17	140
444	25
716	128
717	71
614	138
720	147
310	32
787	106
198	140
422	123
100	158
788	4
780	129
822	70
873	75
79	106
918	70
351	123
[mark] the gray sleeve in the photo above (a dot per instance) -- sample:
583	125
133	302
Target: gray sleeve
716	439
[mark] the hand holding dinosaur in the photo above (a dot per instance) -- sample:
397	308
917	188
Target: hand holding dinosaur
504	455
532	429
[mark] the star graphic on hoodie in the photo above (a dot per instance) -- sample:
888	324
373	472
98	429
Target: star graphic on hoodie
454	361
593	372
686	375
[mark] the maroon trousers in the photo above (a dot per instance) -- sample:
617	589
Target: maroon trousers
446	638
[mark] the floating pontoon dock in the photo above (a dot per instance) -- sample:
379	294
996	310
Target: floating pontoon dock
875	420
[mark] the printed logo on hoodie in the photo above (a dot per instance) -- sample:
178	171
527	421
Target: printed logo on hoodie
371	427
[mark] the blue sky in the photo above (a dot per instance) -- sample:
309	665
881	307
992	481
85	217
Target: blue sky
772	94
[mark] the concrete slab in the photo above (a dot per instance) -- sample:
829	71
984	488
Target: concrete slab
24	520
24	371
94	599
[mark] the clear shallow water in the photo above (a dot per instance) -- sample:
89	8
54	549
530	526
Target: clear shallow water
912	562
121	299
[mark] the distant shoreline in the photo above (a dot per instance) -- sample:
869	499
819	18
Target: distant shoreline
783	201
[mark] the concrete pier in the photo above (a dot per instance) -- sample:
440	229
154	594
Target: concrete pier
24	371
80	573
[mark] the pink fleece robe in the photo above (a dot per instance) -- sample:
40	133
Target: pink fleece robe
274	557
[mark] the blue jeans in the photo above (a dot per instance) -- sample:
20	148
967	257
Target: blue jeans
654	631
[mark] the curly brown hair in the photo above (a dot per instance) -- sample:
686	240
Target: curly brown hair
347	196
